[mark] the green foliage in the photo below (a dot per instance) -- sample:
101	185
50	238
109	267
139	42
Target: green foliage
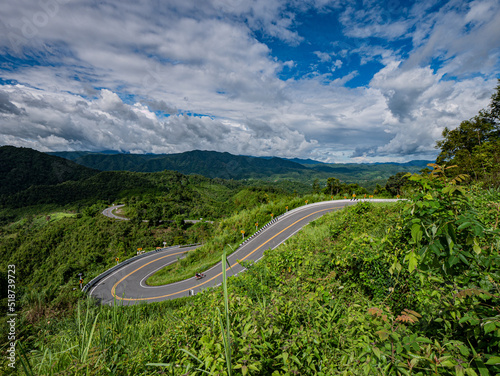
21	168
360	291
474	146
333	187
396	183
454	251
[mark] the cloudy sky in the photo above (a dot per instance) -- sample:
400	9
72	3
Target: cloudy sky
336	81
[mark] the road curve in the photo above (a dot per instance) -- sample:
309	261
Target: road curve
127	285
108	212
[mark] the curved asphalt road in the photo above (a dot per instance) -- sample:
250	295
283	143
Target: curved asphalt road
127	285
108	212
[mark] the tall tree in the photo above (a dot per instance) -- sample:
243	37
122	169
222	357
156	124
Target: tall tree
474	146
315	186
333	186
395	183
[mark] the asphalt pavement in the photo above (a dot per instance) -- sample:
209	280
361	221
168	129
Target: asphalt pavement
127	285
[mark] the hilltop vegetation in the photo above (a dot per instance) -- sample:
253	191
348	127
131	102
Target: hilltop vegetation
21	168
227	166
474	146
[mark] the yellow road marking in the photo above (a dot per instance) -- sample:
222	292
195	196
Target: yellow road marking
201	284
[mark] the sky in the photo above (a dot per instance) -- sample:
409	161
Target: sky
336	81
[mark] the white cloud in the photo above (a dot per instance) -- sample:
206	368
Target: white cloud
323	56
460	35
107	73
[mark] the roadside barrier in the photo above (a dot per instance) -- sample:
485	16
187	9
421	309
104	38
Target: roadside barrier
101	276
270	223
96	280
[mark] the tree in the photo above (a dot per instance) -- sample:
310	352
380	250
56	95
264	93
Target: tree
474	146
379	190
333	186
395	183
315	186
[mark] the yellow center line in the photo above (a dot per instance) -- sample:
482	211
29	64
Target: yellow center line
113	290
139	268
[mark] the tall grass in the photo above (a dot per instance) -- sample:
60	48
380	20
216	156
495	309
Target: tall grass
225	328
98	340
226	331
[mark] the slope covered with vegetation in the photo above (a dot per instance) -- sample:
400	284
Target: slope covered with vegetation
411	288
21	168
227	166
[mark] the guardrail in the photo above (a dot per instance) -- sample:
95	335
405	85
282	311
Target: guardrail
274	220
263	228
101	276
271	222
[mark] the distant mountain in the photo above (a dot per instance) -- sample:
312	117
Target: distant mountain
296	160
339	166
21	168
417	163
207	163
304	161
227	166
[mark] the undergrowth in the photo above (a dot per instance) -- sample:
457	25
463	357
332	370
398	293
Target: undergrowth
404	289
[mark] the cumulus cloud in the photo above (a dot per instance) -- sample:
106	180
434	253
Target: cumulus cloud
7	107
323	56
175	76
70	122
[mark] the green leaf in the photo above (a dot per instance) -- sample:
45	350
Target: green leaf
464	225
470	372
383	334
285	357
244	370
159	364
493	360
424	340
464	350
412	261
489	327
447	363
476	247
416	232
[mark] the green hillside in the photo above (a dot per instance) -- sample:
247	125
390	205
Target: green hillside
207	163
21	168
227	166
355	292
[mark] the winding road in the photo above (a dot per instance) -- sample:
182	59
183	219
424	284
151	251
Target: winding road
108	212
127	284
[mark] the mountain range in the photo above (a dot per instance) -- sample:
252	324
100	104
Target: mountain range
228	166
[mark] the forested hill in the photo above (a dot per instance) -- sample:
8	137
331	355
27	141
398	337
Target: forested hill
21	168
207	163
227	166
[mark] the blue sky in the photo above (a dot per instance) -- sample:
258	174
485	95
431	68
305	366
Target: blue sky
336	81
